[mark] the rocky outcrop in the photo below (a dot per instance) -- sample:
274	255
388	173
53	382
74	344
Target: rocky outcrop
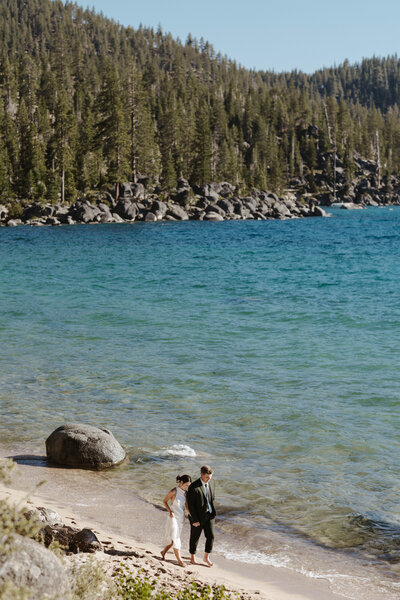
126	209
210	202
177	213
366	187
219	201
183	193
84	446
44	515
28	564
70	539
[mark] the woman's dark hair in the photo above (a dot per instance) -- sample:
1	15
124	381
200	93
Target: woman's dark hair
183	479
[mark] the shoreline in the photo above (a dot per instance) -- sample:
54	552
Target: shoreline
136	526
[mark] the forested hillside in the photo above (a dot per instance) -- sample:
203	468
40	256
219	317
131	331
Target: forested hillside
86	103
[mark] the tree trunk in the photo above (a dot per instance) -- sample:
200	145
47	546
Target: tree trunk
63	186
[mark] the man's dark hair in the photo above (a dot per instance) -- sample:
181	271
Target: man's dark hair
206	470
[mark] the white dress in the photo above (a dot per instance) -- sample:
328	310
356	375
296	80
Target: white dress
174	524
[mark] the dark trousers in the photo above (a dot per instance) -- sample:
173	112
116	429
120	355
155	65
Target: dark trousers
195	533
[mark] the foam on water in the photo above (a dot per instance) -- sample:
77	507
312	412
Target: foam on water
252	557
178	450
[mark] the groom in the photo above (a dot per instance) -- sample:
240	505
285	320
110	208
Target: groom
200	499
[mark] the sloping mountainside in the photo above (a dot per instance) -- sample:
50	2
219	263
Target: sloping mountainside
86	104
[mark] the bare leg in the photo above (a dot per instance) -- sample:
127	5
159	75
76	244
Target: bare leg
207	560
193	559
178	557
164	552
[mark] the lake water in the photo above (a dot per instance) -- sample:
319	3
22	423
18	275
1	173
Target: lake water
268	349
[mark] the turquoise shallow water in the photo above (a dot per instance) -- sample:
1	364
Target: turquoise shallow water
268	349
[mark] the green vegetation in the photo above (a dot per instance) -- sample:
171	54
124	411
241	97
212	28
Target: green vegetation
86	103
136	587
12	518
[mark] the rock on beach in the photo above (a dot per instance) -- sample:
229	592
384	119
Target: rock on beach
84	447
27	564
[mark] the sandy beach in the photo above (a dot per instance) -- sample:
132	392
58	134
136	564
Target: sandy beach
131	531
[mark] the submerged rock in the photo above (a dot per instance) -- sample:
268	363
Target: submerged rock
84	446
351	206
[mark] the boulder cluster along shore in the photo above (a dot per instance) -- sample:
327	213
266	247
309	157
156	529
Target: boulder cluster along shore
211	202
217	201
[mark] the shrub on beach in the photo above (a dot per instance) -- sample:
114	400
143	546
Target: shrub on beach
12	518
137	587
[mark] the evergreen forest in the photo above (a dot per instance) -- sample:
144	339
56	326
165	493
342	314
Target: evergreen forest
87	104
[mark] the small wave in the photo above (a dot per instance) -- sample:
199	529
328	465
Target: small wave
178	450
252	557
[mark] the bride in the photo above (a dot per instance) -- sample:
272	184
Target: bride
175	503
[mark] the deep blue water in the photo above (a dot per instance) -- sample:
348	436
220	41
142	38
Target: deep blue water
269	349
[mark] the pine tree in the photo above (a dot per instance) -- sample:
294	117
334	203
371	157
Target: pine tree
112	128
61	145
202	151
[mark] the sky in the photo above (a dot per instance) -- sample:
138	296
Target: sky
278	35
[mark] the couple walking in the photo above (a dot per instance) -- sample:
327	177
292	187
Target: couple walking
198	499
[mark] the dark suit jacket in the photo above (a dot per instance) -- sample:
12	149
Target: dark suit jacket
197	502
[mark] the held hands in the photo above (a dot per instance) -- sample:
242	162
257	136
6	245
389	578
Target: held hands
196	524
171	514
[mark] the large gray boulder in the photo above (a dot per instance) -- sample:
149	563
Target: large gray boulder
215	208
138	191
319	212
177	212
226	190
106	216
84	446
150	217
84	212
213	216
37	210
159	209
250	203
28	564
226	206
117	218
126	209
281	211
183	192
61	213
